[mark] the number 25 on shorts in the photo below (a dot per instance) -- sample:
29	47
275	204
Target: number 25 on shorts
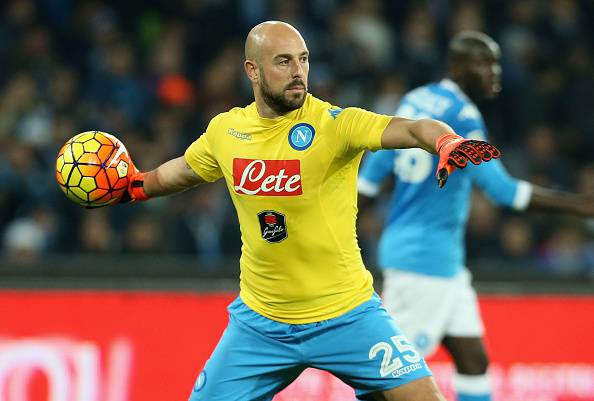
395	366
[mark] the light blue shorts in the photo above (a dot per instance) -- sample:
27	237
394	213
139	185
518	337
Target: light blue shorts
258	357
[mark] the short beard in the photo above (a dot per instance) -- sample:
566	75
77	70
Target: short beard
278	101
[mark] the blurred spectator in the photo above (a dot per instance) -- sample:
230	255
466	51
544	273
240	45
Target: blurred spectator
370	31
546	165
144	235
97	234
390	91
26	239
419	48
517	240
210	219
468	15
567	252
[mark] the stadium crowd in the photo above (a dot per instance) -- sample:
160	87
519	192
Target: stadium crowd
154	72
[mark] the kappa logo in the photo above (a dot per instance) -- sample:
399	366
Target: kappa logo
239	135
407	369
335	112
301	136
267	177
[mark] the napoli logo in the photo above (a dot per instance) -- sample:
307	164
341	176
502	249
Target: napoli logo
301	136
200	382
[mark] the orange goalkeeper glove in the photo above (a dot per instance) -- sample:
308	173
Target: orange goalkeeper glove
455	152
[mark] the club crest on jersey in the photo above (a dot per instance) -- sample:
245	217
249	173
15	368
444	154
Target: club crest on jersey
267	177
301	136
273	226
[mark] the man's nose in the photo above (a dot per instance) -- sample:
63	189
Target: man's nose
298	71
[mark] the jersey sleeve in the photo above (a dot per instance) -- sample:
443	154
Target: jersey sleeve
500	186
376	167
360	129
200	157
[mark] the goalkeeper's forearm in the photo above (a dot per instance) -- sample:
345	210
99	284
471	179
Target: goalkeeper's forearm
170	177
423	133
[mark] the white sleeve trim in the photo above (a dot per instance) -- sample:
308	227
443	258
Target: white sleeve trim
523	196
367	188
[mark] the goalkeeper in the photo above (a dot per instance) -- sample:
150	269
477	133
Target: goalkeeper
421	250
290	163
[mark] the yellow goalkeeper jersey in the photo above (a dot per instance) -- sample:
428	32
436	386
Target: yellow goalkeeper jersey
293	181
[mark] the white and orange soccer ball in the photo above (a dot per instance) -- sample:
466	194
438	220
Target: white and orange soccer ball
92	169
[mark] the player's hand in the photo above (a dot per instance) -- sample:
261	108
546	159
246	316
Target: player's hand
455	152
135	190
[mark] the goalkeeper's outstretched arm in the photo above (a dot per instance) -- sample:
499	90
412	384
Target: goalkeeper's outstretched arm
169	178
173	176
437	137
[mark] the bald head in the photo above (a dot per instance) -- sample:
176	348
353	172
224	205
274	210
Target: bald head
277	64
267	35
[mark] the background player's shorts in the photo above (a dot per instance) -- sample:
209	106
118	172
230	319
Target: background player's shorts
258	357
427	308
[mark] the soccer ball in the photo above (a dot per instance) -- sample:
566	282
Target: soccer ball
92	169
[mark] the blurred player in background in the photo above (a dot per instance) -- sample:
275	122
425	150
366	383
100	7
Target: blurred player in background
290	162
426	285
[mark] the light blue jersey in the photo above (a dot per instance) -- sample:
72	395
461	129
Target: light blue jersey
424	231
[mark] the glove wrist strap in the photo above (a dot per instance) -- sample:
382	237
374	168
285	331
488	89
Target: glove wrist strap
136	188
446	139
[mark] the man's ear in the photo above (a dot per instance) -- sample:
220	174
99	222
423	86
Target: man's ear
252	71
